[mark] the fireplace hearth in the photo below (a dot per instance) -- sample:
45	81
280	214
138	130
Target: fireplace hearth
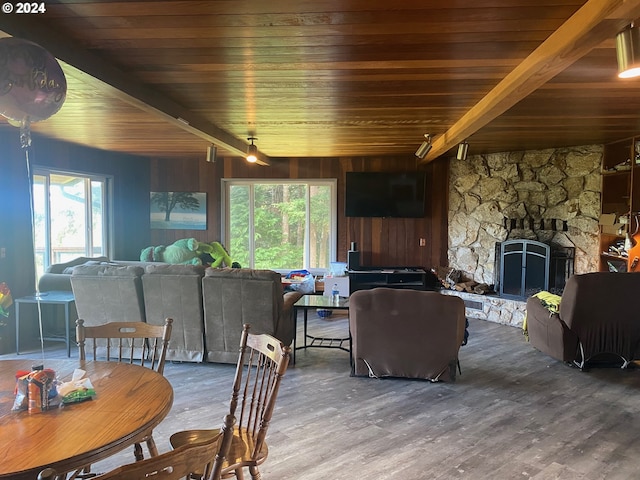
525	267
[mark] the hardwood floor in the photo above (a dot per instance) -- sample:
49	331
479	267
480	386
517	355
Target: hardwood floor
514	413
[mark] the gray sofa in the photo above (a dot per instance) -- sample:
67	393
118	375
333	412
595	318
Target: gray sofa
208	307
406	333
58	276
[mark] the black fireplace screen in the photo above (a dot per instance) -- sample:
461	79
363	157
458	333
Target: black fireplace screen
525	267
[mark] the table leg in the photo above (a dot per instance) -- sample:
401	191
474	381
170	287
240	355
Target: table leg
17	328
304	310
295	333
66	327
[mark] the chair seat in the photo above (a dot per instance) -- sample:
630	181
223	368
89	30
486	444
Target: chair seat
239	452
188	461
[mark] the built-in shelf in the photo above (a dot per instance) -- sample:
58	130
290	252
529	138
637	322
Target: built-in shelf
620	197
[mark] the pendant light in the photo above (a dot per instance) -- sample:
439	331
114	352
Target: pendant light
628	52
252	151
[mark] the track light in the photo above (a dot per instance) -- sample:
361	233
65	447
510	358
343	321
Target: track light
211	153
628	52
462	151
252	151
425	147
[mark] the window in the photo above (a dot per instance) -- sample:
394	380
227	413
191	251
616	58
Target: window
280	224
70	216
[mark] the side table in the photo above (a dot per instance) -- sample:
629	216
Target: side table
307	302
47	298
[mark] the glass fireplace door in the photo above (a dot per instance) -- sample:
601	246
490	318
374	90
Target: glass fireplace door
524	268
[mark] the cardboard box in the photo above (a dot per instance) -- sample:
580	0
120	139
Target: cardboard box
343	285
610	226
615	229
607	219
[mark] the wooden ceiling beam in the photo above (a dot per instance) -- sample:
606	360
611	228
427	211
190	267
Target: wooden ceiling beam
104	77
595	22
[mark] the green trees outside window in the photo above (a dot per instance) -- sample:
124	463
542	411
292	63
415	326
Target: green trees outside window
281	225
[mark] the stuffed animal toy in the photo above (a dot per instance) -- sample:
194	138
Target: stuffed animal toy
183	251
217	254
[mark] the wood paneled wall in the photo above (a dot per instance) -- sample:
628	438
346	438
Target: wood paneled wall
381	241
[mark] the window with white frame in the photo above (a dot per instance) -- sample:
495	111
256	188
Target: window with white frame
71	216
280	224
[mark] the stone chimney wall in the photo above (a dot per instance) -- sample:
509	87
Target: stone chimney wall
552	196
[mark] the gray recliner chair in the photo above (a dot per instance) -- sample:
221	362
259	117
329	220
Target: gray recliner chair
406	333
235	296
107	293
175	291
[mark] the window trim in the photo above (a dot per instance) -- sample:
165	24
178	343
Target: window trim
226	183
107	205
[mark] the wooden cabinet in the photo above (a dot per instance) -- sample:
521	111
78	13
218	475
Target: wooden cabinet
620	205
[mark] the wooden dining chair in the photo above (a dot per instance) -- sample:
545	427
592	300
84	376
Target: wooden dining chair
180	463
261	365
131	342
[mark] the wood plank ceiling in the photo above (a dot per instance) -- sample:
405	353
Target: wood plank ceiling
324	78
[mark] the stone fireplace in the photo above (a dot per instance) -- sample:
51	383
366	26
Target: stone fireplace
548	196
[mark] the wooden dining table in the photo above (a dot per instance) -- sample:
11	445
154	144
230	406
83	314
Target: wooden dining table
130	401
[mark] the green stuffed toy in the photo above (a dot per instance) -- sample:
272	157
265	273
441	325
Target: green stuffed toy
218	254
183	251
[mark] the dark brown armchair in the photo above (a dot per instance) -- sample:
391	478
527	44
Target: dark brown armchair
597	320
406	333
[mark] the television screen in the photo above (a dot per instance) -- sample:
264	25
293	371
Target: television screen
384	194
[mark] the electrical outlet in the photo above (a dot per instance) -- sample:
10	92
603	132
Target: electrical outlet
422	242
3	252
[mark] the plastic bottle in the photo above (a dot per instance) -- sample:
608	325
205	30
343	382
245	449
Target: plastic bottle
335	294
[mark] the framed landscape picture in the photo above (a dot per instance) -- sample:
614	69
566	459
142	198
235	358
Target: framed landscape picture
179	210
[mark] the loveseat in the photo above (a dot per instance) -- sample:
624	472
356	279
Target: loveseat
597	320
208	306
406	333
58	276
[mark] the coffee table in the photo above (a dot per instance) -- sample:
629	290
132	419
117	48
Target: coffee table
307	302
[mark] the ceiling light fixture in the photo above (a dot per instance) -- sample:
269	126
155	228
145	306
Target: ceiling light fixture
252	151
425	147
628	52
462	150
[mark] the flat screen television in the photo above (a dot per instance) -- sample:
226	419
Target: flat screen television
384	194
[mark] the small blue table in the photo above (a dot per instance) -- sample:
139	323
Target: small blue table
47	298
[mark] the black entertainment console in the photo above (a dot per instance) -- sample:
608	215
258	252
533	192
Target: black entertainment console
416	278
